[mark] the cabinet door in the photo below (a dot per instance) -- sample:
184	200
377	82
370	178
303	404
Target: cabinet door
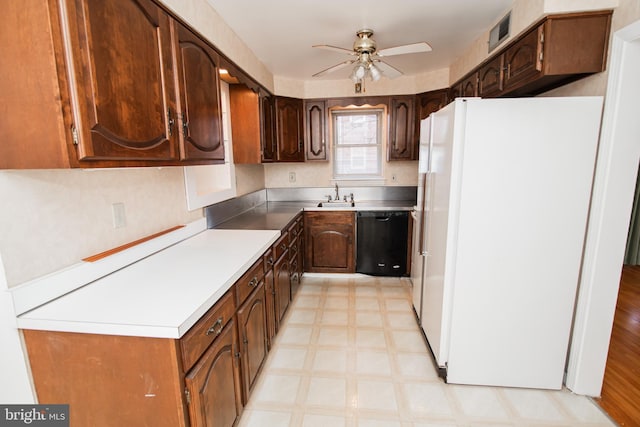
253	336
293	265
282	283
329	242
289	123
490	78
522	60
214	384
427	103
199	112
469	86
270	303
268	128
244	112
299	264
123	96
455	91
401	127
315	116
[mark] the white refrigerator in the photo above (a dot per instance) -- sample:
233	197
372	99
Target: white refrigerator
503	198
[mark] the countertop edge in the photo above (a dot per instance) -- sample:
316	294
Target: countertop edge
71	324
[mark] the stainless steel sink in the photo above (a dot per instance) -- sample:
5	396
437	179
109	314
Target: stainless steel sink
336	204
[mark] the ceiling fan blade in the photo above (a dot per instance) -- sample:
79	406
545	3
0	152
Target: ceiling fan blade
334	68
335	49
407	48
387	69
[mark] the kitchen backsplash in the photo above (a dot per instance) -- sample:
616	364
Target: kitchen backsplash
51	219
320	174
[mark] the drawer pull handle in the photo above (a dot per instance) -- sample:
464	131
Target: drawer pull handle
283	246
253	282
216	328
270	262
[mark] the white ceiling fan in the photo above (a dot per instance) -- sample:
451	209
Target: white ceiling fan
368	59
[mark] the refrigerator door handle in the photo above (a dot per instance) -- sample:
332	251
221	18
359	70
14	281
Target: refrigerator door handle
424	238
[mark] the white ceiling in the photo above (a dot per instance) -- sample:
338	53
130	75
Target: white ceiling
281	32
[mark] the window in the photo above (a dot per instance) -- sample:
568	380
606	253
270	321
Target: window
357	143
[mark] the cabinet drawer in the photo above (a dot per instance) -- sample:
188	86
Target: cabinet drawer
249	281
268	260
207	329
293	249
295	230
281	245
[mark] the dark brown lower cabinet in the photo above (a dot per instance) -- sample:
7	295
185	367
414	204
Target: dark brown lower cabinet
213	384
252	333
270	296
110	380
329	240
203	379
282	283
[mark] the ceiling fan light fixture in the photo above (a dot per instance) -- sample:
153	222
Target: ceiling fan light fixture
374	72
353	77
367	62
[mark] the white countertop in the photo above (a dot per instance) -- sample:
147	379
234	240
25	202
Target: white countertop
162	295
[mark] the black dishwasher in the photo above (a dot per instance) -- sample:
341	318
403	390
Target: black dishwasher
382	238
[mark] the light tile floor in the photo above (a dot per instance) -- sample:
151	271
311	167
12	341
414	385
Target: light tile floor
350	354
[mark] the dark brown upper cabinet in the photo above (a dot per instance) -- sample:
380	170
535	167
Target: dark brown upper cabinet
556	50
289	129
200	124
315	128
401	128
427	103
244	105
490	78
268	128
122	85
523	60
252	125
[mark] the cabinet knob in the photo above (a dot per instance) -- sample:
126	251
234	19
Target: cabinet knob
216	328
253	282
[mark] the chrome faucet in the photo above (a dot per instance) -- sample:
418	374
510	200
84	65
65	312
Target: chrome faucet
337	194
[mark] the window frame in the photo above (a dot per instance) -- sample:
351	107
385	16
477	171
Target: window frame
380	114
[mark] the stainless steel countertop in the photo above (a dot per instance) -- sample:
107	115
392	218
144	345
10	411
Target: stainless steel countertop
277	215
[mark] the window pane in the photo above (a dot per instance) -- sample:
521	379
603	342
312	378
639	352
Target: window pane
356	129
357	143
357	161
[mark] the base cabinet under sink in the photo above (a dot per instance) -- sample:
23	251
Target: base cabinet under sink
329	238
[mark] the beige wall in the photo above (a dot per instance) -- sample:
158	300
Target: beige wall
404	85
320	174
51	219
249	178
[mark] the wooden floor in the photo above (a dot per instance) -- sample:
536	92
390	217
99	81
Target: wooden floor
621	387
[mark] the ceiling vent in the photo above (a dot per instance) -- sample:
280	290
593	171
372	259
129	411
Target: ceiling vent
500	32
